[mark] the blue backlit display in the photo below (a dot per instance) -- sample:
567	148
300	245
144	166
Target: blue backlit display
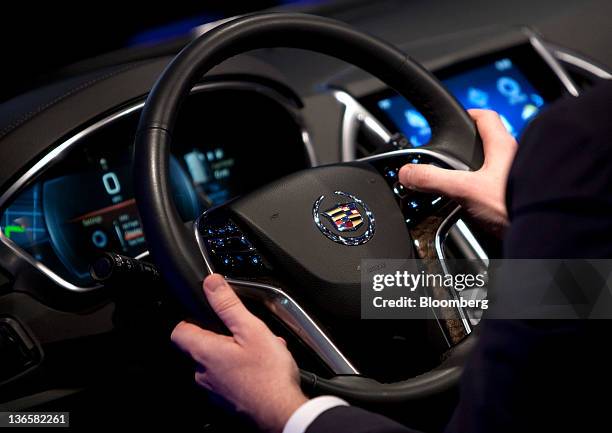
498	86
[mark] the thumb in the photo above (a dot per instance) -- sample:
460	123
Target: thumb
227	305
432	179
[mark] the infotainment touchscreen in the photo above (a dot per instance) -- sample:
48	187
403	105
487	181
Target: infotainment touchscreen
498	86
516	84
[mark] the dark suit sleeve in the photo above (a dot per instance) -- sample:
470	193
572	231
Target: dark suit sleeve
539	375
559	194
354	420
545	375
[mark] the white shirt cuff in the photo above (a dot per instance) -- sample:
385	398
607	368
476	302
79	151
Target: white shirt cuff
309	411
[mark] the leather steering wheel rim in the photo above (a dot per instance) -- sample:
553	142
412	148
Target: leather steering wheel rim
172	244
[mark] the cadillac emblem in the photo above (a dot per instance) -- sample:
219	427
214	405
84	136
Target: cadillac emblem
349	222
345	217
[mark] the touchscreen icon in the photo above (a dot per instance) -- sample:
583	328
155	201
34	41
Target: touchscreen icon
511	89
529	110
503	64
537	99
416	119
418	122
477	97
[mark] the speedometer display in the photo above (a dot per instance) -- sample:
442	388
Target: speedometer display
96	211
84	204
72	218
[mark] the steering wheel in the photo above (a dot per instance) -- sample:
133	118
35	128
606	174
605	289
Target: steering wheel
280	245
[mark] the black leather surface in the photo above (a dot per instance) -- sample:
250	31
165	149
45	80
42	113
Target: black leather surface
324	275
363	390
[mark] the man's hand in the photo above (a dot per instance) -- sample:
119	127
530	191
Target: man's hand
482	192
252	369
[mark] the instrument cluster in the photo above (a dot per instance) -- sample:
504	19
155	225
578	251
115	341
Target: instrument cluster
227	142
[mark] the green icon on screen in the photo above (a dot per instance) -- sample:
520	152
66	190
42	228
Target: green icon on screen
8	230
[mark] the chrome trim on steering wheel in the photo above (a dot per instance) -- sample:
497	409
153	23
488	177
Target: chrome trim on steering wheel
355	115
289	312
443	229
447	159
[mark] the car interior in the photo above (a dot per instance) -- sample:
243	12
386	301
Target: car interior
129	176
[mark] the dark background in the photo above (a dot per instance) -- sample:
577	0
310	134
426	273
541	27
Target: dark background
39	38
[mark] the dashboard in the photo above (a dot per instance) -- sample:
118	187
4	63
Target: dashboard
231	137
84	204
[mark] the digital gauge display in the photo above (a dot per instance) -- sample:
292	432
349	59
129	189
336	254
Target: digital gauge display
83	203
211	172
67	221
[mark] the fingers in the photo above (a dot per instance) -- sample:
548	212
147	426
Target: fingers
489	124
202	378
196	342
495	137
499	149
227	305
432	179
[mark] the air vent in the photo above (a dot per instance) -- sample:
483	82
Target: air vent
19	352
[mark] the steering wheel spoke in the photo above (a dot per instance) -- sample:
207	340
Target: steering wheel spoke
226	249
427	216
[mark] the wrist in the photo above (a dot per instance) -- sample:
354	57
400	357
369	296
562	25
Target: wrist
286	406
308	412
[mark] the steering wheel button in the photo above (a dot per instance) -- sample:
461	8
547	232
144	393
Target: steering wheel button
391	173
238	244
400	190
217	243
230	228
